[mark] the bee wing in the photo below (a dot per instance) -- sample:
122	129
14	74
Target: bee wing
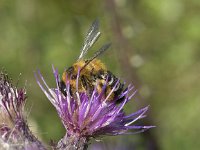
91	37
99	52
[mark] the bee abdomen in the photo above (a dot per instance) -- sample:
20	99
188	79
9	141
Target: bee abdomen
113	81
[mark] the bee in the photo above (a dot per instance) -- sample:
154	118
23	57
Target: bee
92	73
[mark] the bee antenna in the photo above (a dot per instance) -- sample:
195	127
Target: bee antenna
99	52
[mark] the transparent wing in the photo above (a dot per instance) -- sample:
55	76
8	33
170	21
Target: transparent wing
91	37
99	52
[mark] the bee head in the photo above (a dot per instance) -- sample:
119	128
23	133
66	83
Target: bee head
71	73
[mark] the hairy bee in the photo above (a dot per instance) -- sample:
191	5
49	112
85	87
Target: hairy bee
92	72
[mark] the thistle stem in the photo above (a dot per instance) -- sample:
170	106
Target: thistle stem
73	142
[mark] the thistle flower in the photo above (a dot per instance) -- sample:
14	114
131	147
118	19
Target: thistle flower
87	116
14	130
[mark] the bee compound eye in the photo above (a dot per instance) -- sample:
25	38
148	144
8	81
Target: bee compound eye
62	87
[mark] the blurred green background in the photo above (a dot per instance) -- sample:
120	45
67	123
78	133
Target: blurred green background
155	45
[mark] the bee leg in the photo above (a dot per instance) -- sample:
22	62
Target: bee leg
120	100
119	92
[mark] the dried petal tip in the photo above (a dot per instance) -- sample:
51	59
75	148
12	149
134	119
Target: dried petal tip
14	131
12	100
90	115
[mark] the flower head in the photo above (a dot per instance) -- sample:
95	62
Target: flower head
91	115
12	102
14	131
